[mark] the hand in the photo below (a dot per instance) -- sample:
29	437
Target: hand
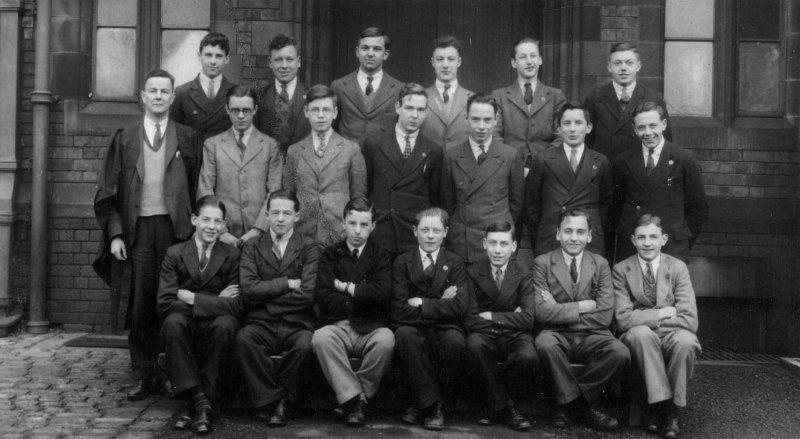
517	309
294	284
186	296
450	292
585	306
547	297
486	315
667	312
415	302
230	291
118	249
253	233
229	239
339	285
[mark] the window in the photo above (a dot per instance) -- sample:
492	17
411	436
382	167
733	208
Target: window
758	52
128	45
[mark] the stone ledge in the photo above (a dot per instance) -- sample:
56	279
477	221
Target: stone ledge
9	324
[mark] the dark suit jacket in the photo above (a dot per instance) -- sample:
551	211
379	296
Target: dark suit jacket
265	280
368	308
356	121
399	188
181	270
553	188
116	202
410	281
476	196
673	288
516	291
528	131
192	107
613	128
267	121
674	192
446	129
550	273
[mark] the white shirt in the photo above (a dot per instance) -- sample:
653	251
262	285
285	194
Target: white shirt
629	88
568	151
653	264
360	249
205	80
362	80
578	260
494	270
199	243
283	242
315	138
401	138
450	92
290	87
656	152
522	83
150	128
424	256
476	150
246	136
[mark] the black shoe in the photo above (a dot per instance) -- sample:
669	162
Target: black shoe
651	418
486	419
202	421
142	390
600	420
672	428
560	418
434	419
280	414
358	415
184	420
516	421
410	416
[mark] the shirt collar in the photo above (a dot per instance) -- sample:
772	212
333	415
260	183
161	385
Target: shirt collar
376	77
434	254
453	86
327	135
656	150
199	243
568	149
150	124
474	144
204	80
629	88
351	248
522	83
290	86
654	263
402	134
284	238
568	259
494	269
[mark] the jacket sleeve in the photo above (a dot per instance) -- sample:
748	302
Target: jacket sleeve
195	142
435	181
448	193
274	183
107	205
550	314
211	305
207	182
533	197
603	295
253	288
330	300
168	284
606	201
685	304
626	316
176	112
358	175
523	320
376	288
450	309
308	278
402	312
369	164
499	129
516	188
290	173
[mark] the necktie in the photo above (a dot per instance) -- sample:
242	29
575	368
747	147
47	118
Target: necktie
204	257
284	95
276	248
210	92
369	89
498	278
649	283
240	141
482	155
573	160
321	150
282	109
573	271
428	270
354	255
407	149
156	145
624	97
650	162
446	95
528	94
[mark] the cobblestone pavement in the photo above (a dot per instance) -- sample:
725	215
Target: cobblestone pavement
51	391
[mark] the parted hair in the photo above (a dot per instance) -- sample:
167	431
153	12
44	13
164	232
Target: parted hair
573	106
624	46
358	204
159	73
282	40
412	88
216	39
480	98
241	91
646	106
646	220
500	226
283	194
210	201
320	91
375	31
572	213
447	41
522	41
435	212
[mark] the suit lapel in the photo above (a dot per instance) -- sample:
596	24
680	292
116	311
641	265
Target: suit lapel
391	150
214	263
136	150
626	115
608	98
436	105
487	169
487	283
231	149
539	97
332	150
466	161
308	154
191	259
384	92
170	144
663	284
587	170
218	104
558	163
441	272
291	253
510	281
198	96
367	256
417	275
514	95
353	92
561	272
662	169
264	247
418	157
457	105
633	273
255	144
588	268
298	101
635	162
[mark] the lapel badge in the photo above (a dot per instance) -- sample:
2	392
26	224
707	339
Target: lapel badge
444	267
544	98
194	111
594	167
177	154
424	154
671	162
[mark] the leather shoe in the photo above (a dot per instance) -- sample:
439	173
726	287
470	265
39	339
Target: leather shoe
601	420
434	419
141	390
516	421
202	420
358	414
486	419
650	420
560	418
410	416
672	429
280	414
184	420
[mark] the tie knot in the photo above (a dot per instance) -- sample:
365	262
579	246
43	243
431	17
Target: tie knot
527	85
408	137
369	79
429	256
354	253
498	272
482	147
446	87
650	151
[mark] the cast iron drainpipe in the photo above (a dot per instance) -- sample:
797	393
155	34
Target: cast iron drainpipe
40	100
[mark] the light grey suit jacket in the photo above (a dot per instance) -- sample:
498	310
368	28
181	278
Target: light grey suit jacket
446	129
357	120
242	182
324	185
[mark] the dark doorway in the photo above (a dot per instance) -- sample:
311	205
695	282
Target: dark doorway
487	29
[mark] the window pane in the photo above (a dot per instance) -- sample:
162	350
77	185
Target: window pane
759	19
186	14
759	78
688	77
179	53
689	19
115	64
116	12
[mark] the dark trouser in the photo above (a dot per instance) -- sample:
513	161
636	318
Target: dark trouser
516	352
198	350
267	382
153	236
423	351
677	248
605	357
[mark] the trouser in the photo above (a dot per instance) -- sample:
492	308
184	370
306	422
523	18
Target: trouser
266	381
519	360
605	358
198	351
665	361
154	235
423	351
335	344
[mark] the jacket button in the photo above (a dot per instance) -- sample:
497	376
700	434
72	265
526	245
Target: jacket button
638	207
563	208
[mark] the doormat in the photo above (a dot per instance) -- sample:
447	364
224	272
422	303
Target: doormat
99	341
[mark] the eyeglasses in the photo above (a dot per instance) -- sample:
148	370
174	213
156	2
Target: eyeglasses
245	111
